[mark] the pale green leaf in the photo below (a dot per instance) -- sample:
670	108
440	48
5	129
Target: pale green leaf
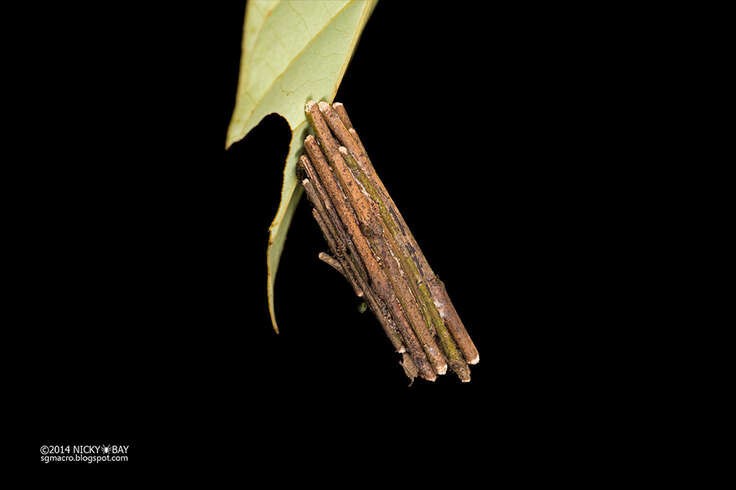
293	51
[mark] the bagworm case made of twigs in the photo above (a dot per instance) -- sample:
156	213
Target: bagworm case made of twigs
373	248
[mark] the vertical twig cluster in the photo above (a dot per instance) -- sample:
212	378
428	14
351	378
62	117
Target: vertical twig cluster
373	248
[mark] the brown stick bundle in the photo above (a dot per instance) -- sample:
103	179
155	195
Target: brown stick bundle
373	248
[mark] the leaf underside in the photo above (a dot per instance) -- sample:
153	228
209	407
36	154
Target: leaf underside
292	51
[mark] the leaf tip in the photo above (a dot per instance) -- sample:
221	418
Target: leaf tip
269	291
271	311
231	137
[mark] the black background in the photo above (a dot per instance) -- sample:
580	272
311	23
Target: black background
146	277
